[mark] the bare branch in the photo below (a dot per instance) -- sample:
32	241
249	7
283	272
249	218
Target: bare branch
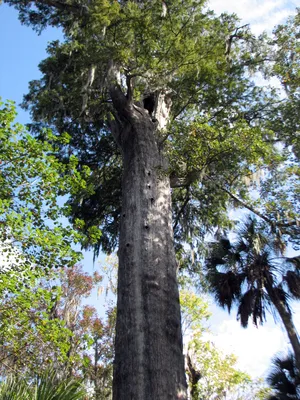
180	212
279	224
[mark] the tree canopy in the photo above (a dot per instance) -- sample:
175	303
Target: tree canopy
222	128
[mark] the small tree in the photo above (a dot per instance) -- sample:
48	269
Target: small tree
46	324
32	183
254	274
284	378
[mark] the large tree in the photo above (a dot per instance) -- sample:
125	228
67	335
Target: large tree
153	94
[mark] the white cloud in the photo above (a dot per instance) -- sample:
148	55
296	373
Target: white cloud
261	15
254	347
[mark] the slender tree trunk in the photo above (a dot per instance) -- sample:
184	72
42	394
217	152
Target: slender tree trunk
287	321
149	363
194	377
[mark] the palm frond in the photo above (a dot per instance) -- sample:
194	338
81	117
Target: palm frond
14	389
295	261
252	237
284	378
219	252
245	308
251	304
49	387
292	279
46	387
226	287
248	272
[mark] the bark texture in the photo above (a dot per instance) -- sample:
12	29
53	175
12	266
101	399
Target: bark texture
149	363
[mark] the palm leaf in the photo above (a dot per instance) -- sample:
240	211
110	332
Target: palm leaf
46	387
283	378
295	261
292	279
251	304
226	287
14	389
49	387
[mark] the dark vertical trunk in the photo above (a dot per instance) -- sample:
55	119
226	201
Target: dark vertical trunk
96	378
149	363
287	321
194	377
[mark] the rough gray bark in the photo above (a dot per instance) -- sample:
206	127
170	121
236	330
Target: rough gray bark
149	363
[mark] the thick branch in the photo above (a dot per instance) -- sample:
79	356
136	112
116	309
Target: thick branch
119	99
194	376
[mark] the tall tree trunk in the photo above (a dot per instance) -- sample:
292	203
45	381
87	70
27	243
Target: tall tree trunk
287	321
149	363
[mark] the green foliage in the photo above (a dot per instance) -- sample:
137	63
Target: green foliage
33	185
218	373
45	324
284	116
31	337
216	137
287	64
34	239
45	387
194	311
211	373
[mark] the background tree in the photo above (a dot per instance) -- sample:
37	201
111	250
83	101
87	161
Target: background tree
162	94
46	324
211	373
33	182
31	339
286	68
91	340
218	373
254	274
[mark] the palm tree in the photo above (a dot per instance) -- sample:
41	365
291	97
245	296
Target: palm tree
253	274
284	379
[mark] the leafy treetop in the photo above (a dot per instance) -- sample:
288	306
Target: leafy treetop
218	132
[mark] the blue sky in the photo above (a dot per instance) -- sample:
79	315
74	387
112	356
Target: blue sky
22	50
